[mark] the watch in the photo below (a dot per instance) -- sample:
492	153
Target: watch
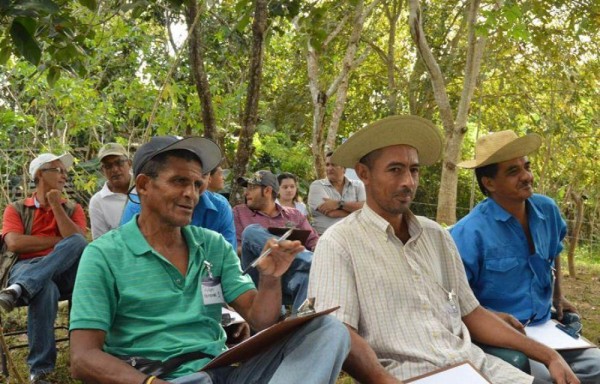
340	204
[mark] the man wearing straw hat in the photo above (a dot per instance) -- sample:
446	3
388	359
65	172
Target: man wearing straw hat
398	277
510	244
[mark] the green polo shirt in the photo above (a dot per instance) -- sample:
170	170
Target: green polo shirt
145	305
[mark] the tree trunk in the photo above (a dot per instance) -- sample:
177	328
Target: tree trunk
454	131
579	211
392	14
198	72
250	117
338	86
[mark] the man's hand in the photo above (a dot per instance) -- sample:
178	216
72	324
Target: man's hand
511	320
327	206
561	372
236	333
53	197
279	260
562	305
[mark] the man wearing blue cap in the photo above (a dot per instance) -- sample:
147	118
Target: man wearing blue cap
152	290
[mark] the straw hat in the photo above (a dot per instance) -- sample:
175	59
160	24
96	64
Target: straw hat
501	146
394	130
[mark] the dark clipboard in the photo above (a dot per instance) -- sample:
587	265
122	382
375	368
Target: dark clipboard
262	340
297	234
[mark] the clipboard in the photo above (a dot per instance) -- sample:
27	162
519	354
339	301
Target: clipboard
460	373
262	340
297	234
554	338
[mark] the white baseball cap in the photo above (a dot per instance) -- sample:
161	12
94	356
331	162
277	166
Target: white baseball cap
44	158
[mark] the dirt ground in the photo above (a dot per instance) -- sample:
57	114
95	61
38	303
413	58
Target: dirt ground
584	292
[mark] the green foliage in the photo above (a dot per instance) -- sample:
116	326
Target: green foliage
45	33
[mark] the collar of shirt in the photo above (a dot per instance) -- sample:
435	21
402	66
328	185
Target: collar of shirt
139	245
385	228
34	202
500	214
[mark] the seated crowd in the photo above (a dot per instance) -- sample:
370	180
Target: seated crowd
169	252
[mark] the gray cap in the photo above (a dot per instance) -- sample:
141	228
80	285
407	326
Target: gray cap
207	151
264	178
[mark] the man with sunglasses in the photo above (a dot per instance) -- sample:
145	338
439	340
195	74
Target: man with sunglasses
48	236
106	206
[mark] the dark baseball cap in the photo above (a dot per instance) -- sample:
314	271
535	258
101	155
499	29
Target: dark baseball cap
264	178
207	151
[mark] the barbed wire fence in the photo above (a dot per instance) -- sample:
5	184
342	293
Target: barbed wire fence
85	179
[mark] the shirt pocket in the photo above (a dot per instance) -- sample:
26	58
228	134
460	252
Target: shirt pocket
501	274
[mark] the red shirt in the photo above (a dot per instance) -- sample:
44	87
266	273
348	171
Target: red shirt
44	224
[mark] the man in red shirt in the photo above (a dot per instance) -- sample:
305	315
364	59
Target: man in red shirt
48	257
251	222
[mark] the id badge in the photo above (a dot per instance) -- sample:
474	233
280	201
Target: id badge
211	291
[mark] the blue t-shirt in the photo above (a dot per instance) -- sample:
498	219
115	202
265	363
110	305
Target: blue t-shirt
503	274
212	212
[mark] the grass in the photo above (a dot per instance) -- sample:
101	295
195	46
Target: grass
583	291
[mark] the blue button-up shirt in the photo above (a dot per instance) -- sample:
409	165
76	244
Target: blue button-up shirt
212	212
504	275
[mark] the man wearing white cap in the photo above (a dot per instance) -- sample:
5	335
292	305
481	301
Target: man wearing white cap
106	206
398	277
47	232
511	241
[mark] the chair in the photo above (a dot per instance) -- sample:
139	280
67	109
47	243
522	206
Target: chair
515	358
18	332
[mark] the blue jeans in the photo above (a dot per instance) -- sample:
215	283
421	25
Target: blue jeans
585	363
44	279
294	282
312	354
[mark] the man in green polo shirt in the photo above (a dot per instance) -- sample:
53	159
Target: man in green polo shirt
154	289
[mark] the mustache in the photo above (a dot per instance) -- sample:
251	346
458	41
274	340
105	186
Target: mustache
404	192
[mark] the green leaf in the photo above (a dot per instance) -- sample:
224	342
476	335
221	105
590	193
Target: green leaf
5	52
24	42
53	76
92	5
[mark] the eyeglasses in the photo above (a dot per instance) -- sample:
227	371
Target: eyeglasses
118	164
60	170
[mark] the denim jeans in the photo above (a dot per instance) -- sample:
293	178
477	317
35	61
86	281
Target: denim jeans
312	354
44	279
585	363
294	282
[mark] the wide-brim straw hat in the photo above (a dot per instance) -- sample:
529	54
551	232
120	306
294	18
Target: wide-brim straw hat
414	131
501	146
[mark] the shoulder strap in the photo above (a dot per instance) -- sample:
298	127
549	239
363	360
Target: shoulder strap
27	213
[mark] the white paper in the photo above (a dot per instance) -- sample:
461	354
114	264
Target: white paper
553	337
461	374
235	317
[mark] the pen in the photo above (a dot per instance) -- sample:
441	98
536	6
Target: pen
267	252
530	320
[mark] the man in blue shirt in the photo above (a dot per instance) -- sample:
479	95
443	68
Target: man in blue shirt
212	212
510	245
